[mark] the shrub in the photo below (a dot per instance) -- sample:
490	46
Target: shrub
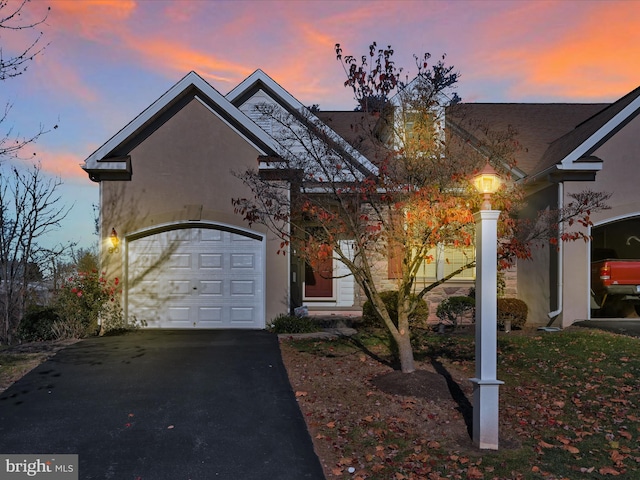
292	324
390	299
112	321
85	301
70	328
37	325
453	309
512	309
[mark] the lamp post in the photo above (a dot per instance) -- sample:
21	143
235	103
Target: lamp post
485	383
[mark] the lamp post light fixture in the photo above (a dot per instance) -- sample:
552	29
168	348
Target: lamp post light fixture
485	384
487	182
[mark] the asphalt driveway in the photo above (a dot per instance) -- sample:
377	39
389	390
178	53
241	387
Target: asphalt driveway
624	326
164	404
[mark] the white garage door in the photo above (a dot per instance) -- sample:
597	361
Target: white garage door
196	278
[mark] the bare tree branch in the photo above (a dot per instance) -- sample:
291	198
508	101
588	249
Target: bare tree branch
30	209
16	64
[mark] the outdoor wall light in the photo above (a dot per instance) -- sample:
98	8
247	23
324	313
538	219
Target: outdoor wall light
115	241
487	182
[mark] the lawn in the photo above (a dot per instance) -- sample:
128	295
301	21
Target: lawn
568	408
16	361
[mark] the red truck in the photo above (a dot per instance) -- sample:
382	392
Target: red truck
615	282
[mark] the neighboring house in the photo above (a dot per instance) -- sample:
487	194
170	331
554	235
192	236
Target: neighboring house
189	261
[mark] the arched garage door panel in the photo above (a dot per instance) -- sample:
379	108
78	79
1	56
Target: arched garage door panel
196	278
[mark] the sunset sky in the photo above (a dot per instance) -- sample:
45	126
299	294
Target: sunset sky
107	60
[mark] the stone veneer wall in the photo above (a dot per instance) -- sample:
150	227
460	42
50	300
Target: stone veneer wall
450	289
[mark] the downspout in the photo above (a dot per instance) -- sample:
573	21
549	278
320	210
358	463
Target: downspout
555	313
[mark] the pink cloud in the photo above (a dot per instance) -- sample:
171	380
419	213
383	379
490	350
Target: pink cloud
170	55
57	77
69	24
593	57
63	164
91	19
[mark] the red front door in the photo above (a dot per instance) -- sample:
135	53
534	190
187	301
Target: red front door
318	283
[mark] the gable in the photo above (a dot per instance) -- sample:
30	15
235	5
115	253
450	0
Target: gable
260	88
621	155
573	150
193	142
188	160
112	161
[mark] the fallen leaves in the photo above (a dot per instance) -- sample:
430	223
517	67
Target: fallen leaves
571	449
609	471
574	419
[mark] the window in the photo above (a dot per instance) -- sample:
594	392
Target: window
446	259
443	260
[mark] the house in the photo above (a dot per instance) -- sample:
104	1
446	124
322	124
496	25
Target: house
188	260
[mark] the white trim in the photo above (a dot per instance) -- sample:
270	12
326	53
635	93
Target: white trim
179	224
615	219
560	266
568	163
259	75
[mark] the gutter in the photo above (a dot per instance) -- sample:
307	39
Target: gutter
555	313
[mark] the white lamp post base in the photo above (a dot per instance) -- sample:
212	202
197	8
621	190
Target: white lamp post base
485	413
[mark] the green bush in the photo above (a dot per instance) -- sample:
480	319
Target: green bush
453	309
512	309
390	298
292	324
37	325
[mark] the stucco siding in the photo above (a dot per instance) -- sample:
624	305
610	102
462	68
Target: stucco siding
575	265
180	173
537	277
620	177
620	174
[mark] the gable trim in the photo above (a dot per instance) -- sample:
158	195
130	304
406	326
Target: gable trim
259	80
576	159
171	96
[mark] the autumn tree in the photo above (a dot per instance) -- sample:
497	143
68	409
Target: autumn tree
402	193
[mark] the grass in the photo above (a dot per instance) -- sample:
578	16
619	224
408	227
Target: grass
570	398
582	391
13	366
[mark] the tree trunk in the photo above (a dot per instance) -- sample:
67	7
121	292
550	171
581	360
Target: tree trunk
405	352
